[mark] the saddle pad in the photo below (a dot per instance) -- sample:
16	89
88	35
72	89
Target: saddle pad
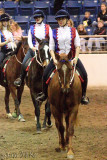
4	67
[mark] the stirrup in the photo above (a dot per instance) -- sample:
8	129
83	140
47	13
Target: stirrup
84	100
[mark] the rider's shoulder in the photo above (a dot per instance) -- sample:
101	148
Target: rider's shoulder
32	26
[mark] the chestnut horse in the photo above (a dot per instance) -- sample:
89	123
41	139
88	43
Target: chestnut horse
64	93
11	73
34	81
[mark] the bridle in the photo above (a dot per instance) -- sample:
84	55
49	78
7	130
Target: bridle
72	75
23	53
39	61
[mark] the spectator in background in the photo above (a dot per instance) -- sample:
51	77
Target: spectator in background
83	41
57	5
70	23
2	11
99	31
102	15
87	22
16	31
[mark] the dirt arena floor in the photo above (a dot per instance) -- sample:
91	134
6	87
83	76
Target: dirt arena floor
18	140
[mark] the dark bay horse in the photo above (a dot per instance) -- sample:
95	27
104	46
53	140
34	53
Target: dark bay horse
34	81
11	73
64	93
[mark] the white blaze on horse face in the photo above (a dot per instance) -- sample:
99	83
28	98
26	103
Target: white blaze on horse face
64	68
46	48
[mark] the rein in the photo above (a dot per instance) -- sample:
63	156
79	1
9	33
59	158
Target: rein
23	53
39	62
72	77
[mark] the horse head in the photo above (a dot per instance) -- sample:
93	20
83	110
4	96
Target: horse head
25	45
43	51
65	71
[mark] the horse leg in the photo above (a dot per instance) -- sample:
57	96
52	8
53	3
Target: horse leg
72	119
19	93
67	127
6	99
47	116
37	113
13	93
19	96
59	125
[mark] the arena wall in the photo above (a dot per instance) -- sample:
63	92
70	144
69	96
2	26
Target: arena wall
96	67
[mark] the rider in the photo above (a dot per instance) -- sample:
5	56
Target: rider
39	30
6	37
64	39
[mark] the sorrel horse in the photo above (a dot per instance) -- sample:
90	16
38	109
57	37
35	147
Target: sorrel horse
64	93
34	81
11	73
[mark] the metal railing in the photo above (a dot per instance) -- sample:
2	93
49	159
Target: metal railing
93	40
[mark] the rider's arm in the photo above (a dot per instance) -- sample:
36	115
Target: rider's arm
4	43
52	46
30	39
77	45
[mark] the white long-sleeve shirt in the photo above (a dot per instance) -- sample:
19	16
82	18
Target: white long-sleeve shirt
39	33
7	34
64	39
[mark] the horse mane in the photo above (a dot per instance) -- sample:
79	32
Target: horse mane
17	49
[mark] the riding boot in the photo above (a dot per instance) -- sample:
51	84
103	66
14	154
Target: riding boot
85	99
21	78
43	95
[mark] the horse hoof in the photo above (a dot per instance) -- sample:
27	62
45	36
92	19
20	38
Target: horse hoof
20	118
38	132
9	115
14	115
70	156
44	127
49	126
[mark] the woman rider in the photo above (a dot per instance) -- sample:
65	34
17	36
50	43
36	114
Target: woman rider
65	39
39	30
6	37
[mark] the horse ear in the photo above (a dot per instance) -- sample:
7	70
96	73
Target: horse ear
70	54
39	41
57	56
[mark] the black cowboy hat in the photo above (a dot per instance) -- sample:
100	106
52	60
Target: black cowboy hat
4	17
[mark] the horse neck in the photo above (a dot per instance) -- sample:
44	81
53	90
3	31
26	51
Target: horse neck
20	55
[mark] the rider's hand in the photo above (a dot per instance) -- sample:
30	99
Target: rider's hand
75	61
55	61
34	49
9	40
